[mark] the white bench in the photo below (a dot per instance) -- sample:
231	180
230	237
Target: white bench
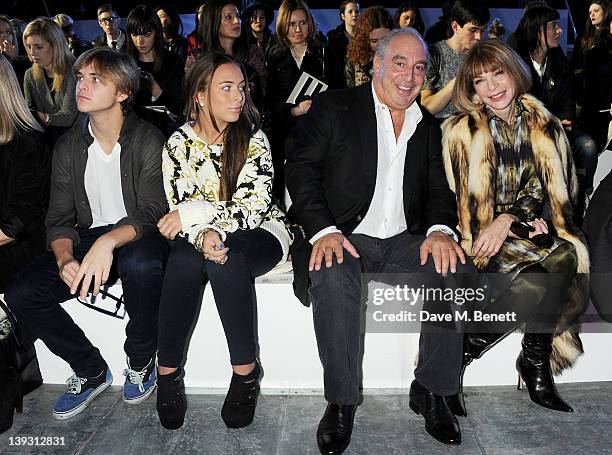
289	352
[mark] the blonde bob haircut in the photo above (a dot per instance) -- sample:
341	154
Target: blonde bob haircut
14	112
487	56
62	59
284	18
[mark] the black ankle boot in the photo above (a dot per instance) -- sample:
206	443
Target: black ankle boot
171	400
533	365
11	397
239	406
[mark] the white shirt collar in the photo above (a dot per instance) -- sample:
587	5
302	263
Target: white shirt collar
119	40
413	112
413	115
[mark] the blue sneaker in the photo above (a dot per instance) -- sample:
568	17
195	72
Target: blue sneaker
139	384
81	392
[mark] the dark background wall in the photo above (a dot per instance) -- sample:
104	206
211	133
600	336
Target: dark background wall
78	9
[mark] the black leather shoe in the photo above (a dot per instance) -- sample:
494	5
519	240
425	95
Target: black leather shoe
456	403
440	422
335	428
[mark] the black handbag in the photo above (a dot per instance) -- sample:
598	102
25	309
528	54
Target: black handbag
19	356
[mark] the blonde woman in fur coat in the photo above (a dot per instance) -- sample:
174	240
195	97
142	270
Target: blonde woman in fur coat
509	163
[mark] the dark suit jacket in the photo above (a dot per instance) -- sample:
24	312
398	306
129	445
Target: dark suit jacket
100	41
331	171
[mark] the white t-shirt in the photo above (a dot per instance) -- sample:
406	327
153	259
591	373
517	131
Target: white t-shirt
103	184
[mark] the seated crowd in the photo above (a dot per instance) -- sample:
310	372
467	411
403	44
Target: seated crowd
166	160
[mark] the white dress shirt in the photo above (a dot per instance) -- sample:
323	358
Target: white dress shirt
385	217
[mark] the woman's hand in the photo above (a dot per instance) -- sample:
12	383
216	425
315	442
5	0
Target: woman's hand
540	227
301	108
8	48
170	225
43	117
491	238
214	249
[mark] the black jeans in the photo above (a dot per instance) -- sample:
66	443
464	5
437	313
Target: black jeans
35	295
251	254
339	301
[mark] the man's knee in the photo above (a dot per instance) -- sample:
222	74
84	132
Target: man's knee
349	268
586	148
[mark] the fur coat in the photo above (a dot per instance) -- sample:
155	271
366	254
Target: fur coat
470	162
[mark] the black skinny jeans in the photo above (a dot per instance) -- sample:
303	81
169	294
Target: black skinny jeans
35	295
251	254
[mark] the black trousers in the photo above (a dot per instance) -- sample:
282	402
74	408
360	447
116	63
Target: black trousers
35	295
338	300
16	255
251	254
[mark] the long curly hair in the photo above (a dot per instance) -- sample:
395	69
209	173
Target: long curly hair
358	50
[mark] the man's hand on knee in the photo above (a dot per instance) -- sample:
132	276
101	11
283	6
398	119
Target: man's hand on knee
444	251
326	247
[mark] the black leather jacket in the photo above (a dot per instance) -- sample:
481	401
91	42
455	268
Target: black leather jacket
141	180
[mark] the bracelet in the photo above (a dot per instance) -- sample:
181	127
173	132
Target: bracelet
198	242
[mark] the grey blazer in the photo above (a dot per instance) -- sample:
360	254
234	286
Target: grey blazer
60	106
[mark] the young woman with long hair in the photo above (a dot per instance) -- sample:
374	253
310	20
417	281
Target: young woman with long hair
409	15
221	29
218	175
595	114
162	72
538	38
257	17
49	85
172	26
296	50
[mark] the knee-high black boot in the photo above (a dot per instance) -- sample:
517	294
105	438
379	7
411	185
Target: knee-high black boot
533	366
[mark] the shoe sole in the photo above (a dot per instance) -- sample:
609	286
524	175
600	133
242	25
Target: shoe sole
142	397
80	408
